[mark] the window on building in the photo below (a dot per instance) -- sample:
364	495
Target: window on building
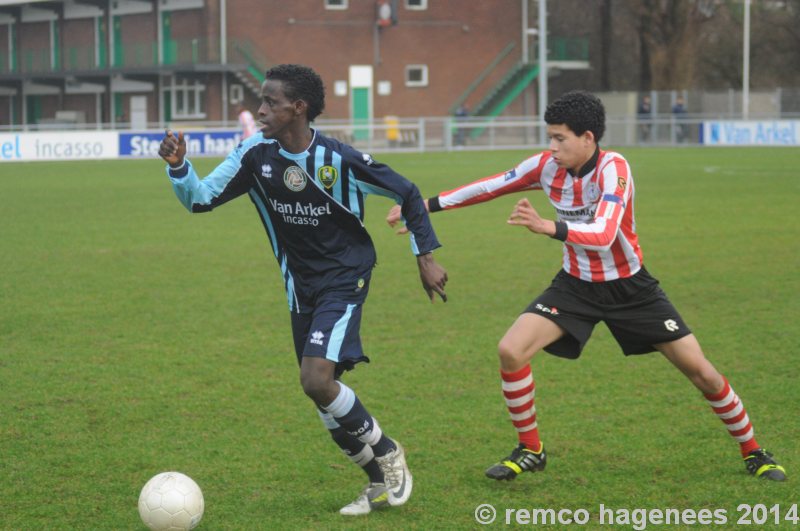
335	4
417	75
187	98
236	93
417	4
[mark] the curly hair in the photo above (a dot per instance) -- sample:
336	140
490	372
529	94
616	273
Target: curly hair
301	83
579	110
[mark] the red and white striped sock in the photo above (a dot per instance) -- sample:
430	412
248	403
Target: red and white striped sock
731	411
518	391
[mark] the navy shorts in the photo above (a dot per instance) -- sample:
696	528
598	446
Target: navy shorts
635	309
330	331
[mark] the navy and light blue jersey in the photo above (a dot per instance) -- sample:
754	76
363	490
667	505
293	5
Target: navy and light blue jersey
312	207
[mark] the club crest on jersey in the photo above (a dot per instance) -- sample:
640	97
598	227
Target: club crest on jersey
327	175
294	178
593	192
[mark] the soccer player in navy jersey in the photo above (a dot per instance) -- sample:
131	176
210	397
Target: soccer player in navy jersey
309	192
602	279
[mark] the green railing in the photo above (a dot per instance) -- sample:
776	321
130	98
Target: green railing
258	74
133	54
567	49
79	58
560	49
36	60
488	102
478	80
245	52
523	75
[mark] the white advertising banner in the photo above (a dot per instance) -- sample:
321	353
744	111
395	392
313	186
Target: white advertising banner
751	133
67	145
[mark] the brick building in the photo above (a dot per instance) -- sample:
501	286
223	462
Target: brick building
142	63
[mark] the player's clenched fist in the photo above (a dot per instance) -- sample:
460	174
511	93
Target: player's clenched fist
173	149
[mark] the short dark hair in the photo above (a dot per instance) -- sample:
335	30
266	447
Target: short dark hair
301	83
579	110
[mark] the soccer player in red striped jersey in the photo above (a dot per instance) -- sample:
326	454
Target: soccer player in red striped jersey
602	279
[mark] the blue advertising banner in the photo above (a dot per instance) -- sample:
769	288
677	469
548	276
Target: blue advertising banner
198	143
751	133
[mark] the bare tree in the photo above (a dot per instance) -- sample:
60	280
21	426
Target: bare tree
668	38
774	45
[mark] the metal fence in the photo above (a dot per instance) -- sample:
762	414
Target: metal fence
449	134
624	127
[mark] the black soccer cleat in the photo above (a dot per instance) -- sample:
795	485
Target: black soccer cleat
761	464
521	459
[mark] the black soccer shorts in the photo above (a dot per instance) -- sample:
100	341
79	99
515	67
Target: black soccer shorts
331	331
635	309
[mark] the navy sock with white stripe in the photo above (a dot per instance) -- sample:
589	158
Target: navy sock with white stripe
358	452
348	411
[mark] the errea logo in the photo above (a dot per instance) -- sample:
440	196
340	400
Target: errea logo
317	337
266	171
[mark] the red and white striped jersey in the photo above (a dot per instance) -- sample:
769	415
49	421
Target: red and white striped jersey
597	208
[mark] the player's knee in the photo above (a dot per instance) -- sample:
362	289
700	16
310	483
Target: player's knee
704	377
317	388
507	353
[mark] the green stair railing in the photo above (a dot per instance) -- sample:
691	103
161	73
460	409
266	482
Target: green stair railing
507	91
483	75
255	65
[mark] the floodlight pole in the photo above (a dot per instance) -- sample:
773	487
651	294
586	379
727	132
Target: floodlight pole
541	33
746	63
223	56
542	69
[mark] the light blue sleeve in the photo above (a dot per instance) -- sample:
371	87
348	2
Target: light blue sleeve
227	181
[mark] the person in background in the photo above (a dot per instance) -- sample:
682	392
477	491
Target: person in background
644	113
462	113
679	113
247	123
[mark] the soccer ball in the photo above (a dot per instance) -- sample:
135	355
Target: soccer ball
171	501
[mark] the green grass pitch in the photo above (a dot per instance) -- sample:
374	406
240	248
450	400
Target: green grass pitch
135	338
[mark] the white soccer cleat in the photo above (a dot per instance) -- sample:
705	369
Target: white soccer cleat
396	475
374	496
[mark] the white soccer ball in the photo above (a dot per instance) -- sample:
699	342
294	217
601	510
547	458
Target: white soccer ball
171	501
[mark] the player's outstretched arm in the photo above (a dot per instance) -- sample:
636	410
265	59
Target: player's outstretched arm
524	176
433	276
173	149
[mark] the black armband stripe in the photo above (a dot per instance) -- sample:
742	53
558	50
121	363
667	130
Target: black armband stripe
561	231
